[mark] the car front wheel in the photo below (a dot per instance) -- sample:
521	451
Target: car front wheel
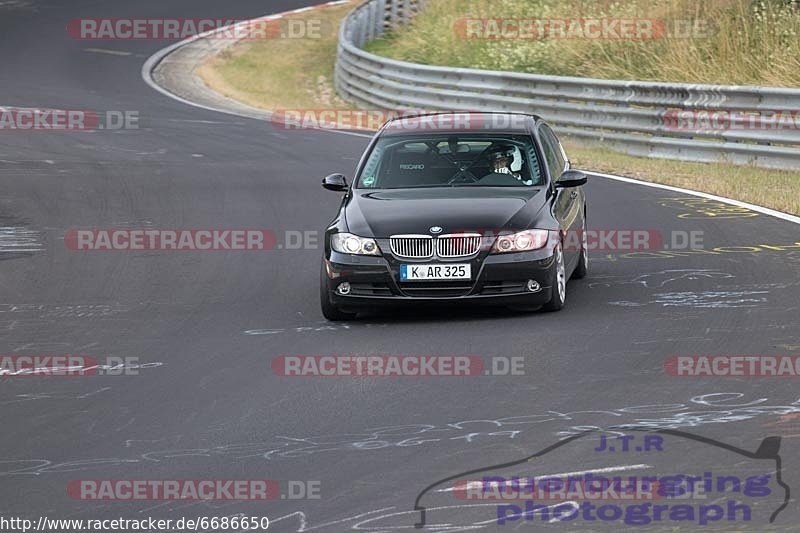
559	289
582	270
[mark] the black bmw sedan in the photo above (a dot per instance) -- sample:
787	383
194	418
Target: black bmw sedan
479	208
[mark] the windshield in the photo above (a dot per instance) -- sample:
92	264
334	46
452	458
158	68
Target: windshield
464	160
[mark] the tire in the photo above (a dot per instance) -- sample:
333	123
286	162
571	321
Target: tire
559	289
330	311
582	270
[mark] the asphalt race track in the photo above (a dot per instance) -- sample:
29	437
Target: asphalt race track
208	406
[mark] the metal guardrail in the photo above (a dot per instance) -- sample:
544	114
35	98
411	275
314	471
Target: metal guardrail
639	118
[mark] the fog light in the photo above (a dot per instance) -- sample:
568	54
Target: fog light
533	286
343	289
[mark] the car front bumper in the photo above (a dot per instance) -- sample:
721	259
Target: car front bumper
498	280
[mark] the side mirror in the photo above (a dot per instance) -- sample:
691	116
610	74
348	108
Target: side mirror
335	182
571	178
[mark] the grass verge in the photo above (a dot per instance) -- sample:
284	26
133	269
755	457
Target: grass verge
739	42
283	73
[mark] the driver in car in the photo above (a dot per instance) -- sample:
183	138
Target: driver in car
501	157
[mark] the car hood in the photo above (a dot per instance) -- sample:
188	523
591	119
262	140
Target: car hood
383	213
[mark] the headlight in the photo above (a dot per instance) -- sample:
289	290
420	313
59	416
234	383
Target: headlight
347	243
524	241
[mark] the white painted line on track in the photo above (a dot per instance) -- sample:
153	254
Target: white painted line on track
152	62
106	51
737	203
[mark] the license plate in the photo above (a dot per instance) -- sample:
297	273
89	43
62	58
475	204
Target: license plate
434	272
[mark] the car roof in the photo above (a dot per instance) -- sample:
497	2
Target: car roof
413	123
